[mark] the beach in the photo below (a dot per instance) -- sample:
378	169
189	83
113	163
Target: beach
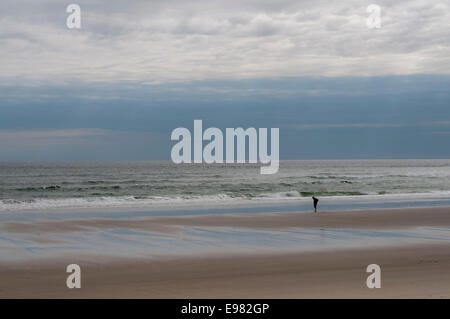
224	149
239	255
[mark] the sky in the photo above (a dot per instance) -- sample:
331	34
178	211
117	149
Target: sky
116	88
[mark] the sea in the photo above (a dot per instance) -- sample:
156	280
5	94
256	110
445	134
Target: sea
149	184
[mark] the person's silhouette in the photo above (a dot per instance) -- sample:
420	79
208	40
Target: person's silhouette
315	201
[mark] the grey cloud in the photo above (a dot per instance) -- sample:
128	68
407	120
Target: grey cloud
68	133
369	125
167	41
18	138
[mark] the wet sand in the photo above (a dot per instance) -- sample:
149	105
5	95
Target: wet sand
365	219
414	270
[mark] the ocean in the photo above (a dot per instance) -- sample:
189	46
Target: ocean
145	184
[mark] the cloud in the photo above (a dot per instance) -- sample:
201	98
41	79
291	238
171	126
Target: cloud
81	144
93	137
345	125
167	41
369	125
15	137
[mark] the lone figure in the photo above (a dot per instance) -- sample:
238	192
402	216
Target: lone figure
315	201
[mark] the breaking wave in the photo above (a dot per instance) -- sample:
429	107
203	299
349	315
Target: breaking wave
185	200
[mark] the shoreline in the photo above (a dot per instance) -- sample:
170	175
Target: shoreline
335	203
368	219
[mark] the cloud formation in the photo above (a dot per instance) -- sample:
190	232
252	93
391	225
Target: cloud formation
33	137
168	41
39	139
368	125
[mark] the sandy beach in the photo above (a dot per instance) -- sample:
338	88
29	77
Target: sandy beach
411	267
407	272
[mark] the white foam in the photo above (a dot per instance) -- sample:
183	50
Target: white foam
106	202
186	201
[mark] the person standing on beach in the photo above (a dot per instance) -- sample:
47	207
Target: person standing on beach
315	201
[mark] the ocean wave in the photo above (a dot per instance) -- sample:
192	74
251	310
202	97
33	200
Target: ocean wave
106	202
405	175
288	194
39	189
326	193
188	200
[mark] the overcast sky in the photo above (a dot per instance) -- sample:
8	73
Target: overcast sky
117	87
